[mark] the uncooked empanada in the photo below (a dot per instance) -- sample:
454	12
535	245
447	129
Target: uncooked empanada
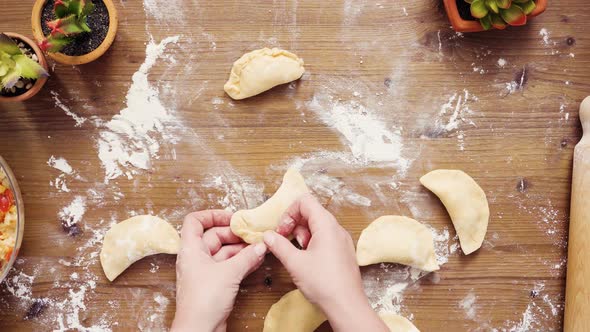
250	225
133	239
466	203
293	313
396	239
397	323
261	70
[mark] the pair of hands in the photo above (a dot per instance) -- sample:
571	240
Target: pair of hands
213	261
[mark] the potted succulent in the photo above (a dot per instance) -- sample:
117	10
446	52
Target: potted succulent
480	15
23	68
74	32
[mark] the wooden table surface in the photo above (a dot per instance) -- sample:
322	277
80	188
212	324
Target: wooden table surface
518	93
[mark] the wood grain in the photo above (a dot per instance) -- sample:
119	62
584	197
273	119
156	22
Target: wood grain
402	68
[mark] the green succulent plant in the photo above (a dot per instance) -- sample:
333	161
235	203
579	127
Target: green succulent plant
14	64
501	13
72	19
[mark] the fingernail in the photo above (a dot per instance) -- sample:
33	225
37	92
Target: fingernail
288	221
269	238
260	249
299	240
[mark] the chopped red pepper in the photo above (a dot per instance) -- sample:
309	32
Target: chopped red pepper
6	200
4	203
8	254
10	196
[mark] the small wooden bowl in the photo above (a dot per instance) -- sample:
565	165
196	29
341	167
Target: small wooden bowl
461	25
39	83
80	59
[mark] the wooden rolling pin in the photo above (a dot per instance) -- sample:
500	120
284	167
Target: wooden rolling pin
577	289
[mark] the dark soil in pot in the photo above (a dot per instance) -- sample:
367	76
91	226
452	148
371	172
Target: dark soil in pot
465	10
86	42
24	84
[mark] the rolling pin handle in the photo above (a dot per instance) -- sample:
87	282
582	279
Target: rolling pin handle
577	292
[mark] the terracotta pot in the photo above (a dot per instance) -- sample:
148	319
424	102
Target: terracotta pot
80	59
461	25
42	61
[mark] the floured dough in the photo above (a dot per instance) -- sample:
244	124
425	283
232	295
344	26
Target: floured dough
397	323
261	70
466	203
396	239
250	225
132	239
293	313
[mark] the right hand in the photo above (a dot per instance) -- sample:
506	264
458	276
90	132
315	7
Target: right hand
326	271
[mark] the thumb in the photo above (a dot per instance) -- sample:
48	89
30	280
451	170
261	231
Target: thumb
281	247
248	259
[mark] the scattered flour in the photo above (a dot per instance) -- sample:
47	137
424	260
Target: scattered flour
352	10
369	139
151	309
548	42
155	320
79	120
70	310
235	191
479	70
511	87
165	11
334	190
540	310
60	182
468	305
515	85
502	62
549	218
545	35
565	116
60	164
20	285
392	299
129	140
459	107
65	312
72	214
442	248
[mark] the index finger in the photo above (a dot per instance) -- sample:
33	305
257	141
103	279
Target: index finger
195	223
307	212
206	219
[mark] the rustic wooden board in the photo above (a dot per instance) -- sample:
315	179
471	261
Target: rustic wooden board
401	67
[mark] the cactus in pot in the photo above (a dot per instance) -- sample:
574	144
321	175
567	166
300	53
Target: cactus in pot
72	16
18	66
501	13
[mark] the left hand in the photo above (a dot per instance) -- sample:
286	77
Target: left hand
210	266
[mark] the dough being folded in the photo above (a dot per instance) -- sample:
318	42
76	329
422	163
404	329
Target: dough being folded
261	70
466	203
250	225
293	313
133	239
396	239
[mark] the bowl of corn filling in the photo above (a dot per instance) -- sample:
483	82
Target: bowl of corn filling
12	214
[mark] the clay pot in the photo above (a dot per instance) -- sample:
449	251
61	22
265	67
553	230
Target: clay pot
42	61
80	59
461	25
